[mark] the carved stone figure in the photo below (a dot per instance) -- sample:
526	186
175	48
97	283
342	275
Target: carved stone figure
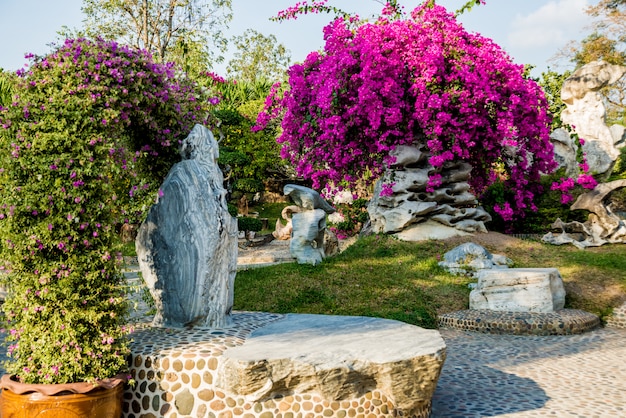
308	223
451	205
187	246
586	113
602	226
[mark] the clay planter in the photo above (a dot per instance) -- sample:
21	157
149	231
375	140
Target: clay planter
72	400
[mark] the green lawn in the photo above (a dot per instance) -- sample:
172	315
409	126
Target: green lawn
381	276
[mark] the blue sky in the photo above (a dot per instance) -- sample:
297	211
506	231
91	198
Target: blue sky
531	31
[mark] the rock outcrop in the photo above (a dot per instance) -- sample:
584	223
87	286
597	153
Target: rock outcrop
586	113
469	259
187	246
451	205
603	226
519	290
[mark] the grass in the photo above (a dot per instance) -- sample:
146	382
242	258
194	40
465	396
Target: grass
383	277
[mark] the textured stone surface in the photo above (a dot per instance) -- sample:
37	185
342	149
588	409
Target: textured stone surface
190	369
528	376
585	111
469	259
565	151
602	226
308	224
519	290
560	322
187	246
314	353
617	319
451	204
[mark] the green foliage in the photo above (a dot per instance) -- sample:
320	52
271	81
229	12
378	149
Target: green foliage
248	157
350	217
548	203
249	224
188	32
89	136
258	57
232	210
619	169
248	185
552	82
6	87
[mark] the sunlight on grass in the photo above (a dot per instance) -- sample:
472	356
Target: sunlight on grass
381	276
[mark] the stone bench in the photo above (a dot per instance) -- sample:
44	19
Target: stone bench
270	365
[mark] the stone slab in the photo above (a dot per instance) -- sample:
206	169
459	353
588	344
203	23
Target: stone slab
519	290
317	364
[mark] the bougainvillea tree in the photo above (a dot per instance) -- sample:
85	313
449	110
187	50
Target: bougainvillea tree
92	130
420	80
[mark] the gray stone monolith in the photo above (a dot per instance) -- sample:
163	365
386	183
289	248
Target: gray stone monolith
187	246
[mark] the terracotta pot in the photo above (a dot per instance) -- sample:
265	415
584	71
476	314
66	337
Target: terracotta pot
73	400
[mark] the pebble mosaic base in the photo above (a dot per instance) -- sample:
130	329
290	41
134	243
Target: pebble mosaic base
561	322
617	318
175	371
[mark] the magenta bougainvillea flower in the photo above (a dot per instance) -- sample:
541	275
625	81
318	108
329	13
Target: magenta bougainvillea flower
422	80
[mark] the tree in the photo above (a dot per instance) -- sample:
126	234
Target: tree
258	57
421	81
188	32
248	157
552	83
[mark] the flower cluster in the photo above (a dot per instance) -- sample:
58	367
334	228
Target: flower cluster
92	131
584	179
422	81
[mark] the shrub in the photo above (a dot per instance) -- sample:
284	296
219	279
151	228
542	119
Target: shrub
93	131
424	81
249	224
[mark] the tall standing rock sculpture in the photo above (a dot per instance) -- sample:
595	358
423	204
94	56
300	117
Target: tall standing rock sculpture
187	246
586	113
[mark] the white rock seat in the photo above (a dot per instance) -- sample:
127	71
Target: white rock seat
519	290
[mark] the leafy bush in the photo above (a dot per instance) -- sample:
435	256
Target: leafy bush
549	207
249	224
423	81
92	133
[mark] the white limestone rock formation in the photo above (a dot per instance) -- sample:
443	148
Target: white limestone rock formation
337	358
452	206
519	290
603	226
308	224
565	151
187	246
586	113
470	258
